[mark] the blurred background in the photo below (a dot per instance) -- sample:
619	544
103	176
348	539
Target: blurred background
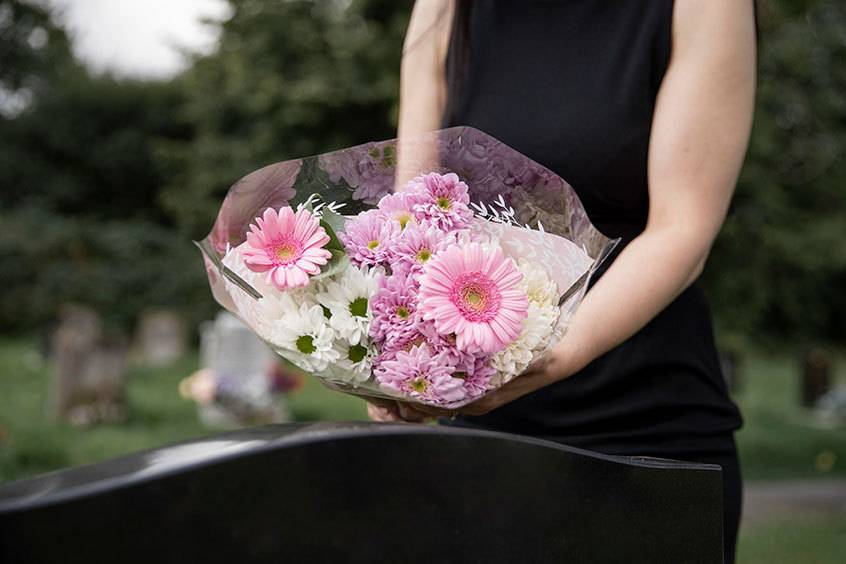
122	125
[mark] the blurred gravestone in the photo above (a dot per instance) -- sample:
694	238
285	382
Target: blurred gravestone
831	407
89	370
242	369
816	375
161	337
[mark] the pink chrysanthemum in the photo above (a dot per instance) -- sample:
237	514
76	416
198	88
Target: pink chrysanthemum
394	309
367	238
474	292
418	244
445	200
399	207
287	246
421	375
476	372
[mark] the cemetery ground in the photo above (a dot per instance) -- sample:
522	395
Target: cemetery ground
780	441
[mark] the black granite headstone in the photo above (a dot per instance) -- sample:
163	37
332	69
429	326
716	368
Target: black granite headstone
366	492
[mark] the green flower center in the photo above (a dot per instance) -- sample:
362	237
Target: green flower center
358	307
423	255
418	385
402	312
305	344
403	219
357	353
474	299
372	244
444	203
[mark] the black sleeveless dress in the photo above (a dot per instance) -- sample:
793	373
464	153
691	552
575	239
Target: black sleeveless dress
572	84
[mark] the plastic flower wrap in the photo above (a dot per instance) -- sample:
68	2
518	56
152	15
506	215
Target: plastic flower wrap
431	270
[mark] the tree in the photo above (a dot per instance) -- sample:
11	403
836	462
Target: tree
78	190
33	50
775	268
288	79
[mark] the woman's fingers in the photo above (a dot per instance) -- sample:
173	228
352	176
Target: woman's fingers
411	414
387	410
383	414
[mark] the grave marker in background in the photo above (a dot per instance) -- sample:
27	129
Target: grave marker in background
88	370
161	337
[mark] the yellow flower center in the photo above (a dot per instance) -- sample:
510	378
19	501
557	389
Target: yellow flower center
403	218
285	251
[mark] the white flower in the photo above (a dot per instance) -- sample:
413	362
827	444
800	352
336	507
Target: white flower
304	336
355	360
538	327
540	288
261	314
532	342
347	300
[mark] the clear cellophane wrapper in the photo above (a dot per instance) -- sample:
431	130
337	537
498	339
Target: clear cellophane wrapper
534	215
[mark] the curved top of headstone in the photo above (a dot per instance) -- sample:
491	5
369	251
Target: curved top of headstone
149	465
356	492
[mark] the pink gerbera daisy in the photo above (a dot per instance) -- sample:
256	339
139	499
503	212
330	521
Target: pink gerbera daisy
421	375
445	200
474	292
287	246
367	238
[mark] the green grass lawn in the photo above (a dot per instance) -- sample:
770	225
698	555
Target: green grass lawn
779	440
810	540
30	444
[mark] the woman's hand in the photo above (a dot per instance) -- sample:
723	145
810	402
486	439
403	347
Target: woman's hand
387	411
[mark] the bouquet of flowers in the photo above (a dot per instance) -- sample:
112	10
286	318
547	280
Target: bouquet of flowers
432	270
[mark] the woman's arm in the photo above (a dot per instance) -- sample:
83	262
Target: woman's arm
423	91
423	87
700	131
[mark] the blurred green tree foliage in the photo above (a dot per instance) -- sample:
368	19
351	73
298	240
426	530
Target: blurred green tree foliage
33	49
778	269
105	181
289	79
77	206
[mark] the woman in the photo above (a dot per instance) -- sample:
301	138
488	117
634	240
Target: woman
645	107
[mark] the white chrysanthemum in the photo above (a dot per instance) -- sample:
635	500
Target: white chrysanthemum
533	340
347	300
538	327
354	361
261	314
304	336
540	288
